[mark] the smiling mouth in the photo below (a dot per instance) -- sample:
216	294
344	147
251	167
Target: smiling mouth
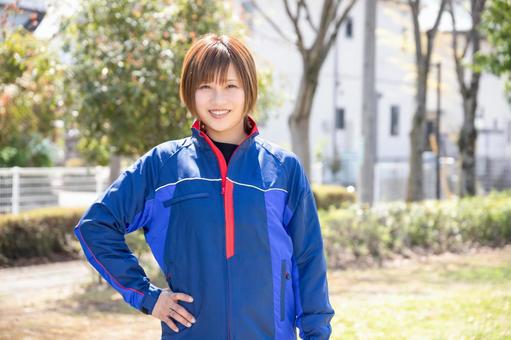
218	113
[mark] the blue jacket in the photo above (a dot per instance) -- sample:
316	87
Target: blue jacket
243	240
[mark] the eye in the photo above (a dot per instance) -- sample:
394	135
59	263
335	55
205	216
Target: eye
203	86
232	86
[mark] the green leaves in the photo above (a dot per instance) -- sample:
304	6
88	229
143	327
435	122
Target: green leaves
496	26
126	64
29	100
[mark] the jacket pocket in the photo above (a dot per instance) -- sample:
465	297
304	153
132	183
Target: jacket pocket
183	206
284	277
181	198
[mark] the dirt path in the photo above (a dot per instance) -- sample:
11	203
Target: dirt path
22	284
56	301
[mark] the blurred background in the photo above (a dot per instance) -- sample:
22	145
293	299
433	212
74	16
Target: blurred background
400	111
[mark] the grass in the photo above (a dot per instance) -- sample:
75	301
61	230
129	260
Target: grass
443	297
450	297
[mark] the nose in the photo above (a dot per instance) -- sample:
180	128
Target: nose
219	96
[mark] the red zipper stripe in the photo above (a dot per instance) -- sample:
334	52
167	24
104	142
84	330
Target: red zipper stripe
219	157
229	219
227	187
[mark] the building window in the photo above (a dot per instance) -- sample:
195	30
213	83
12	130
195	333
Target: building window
339	118
349	27
394	120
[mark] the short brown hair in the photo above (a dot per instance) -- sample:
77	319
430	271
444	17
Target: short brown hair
208	59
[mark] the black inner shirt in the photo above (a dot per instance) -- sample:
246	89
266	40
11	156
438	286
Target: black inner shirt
226	148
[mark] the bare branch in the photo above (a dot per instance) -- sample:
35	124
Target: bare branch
433	31
271	22
324	23
294	20
337	4
460	70
439	16
340	20
303	3
477	12
414	7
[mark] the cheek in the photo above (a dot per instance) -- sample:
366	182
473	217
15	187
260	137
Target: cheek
200	100
239	98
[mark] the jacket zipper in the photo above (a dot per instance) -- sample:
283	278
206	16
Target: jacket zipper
284	276
227	191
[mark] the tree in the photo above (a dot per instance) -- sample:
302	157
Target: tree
313	58
496	26
469	91
29	99
423	52
127	58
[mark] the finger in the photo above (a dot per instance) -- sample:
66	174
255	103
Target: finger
178	317
182	297
171	324
183	312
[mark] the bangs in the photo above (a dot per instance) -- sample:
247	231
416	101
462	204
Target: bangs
212	66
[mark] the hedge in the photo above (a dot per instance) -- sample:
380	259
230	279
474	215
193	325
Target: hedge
360	235
43	234
353	235
332	195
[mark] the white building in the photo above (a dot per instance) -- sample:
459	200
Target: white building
337	117
29	13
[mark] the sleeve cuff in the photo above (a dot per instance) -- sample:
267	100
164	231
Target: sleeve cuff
150	299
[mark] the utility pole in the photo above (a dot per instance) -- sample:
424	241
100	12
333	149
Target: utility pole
437	129
369	102
335	151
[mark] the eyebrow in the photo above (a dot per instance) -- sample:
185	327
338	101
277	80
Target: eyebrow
232	79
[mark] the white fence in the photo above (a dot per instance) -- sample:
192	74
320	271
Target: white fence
22	189
391	179
391	176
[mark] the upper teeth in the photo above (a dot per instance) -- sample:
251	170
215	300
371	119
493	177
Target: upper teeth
218	112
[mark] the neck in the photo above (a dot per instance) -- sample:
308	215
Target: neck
234	137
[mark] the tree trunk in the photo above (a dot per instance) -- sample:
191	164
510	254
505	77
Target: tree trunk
423	54
467	147
468	133
300	141
415	177
299	120
115	167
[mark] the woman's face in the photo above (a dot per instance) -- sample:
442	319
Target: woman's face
220	108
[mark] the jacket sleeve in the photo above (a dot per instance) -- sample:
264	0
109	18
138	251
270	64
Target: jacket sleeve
124	207
313	308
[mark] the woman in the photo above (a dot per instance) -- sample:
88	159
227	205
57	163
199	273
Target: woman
229	217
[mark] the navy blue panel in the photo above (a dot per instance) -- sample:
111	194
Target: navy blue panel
250	268
195	255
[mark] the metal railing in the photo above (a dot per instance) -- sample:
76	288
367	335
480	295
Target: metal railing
23	189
